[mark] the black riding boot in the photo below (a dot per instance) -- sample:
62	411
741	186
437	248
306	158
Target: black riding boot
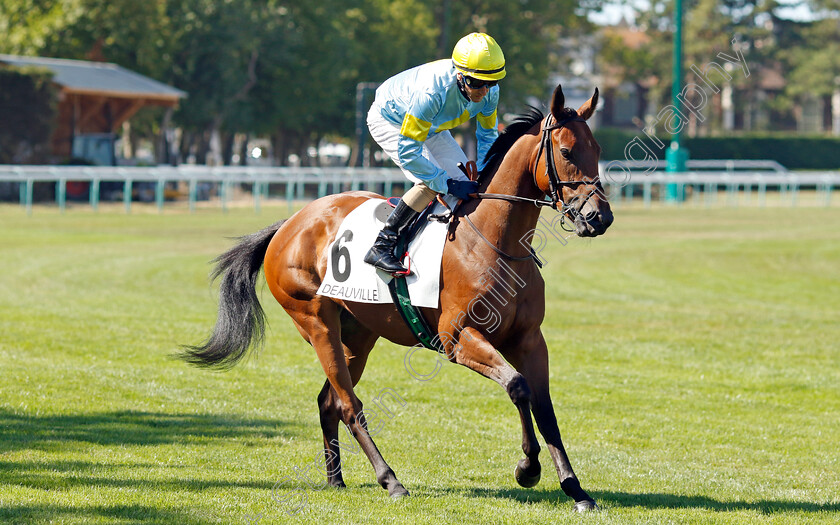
381	255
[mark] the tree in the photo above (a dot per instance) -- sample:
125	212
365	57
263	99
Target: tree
815	66
216	50
709	28
126	32
26	25
527	30
288	68
307	88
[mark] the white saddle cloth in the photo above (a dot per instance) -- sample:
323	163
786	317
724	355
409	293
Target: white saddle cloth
349	278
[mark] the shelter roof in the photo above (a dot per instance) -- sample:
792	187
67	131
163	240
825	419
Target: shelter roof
99	78
632	37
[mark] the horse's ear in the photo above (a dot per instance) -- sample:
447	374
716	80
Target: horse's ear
558	102
588	107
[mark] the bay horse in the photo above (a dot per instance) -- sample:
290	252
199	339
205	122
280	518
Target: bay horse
533	159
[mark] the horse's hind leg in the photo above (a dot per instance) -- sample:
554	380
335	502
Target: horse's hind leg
320	319
358	343
329	408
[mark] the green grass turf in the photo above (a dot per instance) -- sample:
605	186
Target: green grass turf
694	373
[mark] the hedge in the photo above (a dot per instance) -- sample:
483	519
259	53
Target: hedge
794	151
28	101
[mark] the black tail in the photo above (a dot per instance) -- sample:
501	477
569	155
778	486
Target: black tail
241	320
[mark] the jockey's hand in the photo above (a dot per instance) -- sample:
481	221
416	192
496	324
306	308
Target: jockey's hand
462	188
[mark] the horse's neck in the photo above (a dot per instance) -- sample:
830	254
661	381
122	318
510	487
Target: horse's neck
505	222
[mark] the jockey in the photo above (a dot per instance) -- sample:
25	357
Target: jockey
410	119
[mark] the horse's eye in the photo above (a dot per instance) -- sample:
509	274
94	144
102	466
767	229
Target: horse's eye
565	152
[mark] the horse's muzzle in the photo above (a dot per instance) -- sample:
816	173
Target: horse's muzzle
591	222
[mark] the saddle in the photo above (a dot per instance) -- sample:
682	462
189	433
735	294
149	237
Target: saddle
411	315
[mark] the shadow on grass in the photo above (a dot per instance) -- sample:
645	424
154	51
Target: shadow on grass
128	428
673	501
654	501
121	513
52	475
58	434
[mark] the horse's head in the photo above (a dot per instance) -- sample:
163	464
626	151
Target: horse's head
566	168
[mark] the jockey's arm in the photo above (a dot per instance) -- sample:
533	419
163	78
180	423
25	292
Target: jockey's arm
413	133
486	129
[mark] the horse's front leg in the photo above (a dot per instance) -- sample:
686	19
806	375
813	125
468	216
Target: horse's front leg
531	360
479	355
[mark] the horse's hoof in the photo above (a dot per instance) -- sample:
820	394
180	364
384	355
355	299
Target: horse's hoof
586	505
526	480
399	492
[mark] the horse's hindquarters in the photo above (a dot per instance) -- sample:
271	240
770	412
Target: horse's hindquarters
295	261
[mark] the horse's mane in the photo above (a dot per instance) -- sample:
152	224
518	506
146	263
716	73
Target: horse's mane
516	129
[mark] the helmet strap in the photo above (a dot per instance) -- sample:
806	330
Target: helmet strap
461	84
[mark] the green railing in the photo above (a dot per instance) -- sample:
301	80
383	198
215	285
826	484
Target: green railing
295	181
627	181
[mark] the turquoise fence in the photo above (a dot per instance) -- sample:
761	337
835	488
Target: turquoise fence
294	180
622	181
746	181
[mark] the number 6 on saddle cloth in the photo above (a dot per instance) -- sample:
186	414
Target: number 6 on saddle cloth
348	277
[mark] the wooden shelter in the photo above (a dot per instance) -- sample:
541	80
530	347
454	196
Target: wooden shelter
96	97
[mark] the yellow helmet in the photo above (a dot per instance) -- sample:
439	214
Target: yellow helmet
477	55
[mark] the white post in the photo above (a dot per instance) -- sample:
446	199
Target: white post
726	103
214	156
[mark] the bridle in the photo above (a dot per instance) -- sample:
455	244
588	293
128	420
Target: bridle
555	185
554	191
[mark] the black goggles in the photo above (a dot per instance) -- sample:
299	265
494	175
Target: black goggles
475	83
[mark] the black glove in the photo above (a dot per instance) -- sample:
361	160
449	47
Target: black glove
461	188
